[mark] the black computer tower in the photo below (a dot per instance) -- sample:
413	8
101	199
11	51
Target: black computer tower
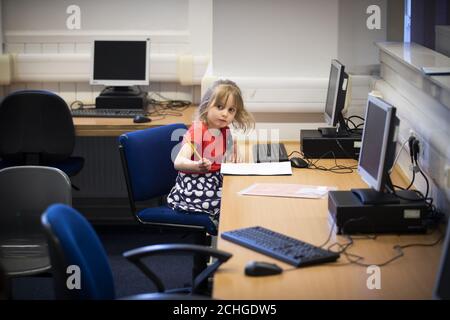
122	101
314	145
351	216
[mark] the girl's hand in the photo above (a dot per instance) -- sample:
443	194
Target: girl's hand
204	165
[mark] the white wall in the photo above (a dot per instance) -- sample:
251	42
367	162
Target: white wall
180	32
279	52
356	45
264	38
44	15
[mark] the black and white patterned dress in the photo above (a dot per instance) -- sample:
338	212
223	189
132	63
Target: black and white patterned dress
197	193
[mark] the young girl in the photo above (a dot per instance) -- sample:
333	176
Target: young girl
198	186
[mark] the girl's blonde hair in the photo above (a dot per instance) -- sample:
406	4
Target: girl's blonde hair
219	93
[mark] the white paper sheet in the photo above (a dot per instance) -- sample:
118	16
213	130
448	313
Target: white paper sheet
259	169
287	190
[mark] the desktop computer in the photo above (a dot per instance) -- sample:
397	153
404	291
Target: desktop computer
351	216
381	208
336	141
314	145
122	101
121	65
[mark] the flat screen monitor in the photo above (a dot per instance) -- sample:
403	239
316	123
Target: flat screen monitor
120	63
442	287
378	143
337	89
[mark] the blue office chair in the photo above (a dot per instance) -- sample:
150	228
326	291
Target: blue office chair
36	128
73	242
149	173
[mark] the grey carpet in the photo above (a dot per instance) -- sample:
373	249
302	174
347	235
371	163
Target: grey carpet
174	270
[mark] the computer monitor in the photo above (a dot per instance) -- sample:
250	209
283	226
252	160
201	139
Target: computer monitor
335	102
377	151
442	286
121	64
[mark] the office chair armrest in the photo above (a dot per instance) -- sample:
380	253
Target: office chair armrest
135	256
165	296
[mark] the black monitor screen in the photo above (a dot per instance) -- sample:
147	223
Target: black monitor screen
331	94
373	139
120	60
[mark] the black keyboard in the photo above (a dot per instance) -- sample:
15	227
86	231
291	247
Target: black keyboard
280	246
270	152
107	113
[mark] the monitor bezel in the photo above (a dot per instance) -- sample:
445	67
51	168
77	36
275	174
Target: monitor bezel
378	182
121	83
333	119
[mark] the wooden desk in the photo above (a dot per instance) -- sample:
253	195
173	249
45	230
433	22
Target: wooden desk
117	126
410	277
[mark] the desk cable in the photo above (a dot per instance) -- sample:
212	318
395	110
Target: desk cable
337	168
357	259
356	127
80	105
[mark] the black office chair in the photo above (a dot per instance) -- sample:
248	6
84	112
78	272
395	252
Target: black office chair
36	128
73	242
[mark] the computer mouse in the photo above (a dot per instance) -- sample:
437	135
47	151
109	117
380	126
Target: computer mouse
260	268
297	162
141	119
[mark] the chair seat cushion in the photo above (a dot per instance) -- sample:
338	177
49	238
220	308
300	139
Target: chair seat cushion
165	214
70	166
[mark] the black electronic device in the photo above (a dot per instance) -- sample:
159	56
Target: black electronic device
336	141
378	148
314	145
141	119
378	209
270	152
335	101
137	102
107	113
121	65
297	162
280	246
261	268
352	216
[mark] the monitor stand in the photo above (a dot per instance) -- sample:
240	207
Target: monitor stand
122	98
371	196
121	91
333	132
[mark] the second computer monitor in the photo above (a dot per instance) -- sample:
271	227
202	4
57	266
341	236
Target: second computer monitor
378	143
120	63
337	89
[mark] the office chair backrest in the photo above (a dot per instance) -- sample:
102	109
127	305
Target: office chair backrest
74	244
35	124
147	156
25	192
